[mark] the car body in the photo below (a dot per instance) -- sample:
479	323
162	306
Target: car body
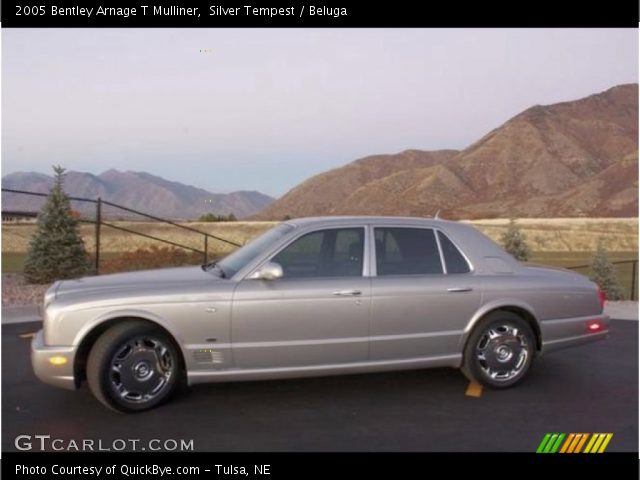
316	296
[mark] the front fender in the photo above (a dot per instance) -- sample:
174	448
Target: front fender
125	313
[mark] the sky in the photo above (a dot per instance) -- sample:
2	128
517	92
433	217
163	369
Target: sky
263	109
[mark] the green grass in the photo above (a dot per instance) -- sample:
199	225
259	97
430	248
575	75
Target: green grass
13	262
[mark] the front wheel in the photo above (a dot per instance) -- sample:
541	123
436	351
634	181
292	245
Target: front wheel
499	351
133	366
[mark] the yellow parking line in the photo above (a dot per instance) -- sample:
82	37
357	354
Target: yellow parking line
474	390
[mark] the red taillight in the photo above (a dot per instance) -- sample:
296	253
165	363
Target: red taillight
594	326
602	297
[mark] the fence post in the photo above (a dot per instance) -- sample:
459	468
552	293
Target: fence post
634	266
98	222
206	248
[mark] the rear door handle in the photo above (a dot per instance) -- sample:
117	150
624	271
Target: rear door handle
347	293
459	289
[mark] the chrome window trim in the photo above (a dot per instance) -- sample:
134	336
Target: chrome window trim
440	252
464	255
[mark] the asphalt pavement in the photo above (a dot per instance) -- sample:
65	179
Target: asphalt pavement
592	388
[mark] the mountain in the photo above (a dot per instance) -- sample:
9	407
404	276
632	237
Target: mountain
328	191
137	190
577	158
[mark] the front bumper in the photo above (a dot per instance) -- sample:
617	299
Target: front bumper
571	332
60	375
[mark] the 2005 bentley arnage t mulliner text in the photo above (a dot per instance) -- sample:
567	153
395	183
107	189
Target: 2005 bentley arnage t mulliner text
316	296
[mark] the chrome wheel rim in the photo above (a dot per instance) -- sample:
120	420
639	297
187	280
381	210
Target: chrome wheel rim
141	369
502	352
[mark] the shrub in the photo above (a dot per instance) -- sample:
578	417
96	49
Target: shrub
150	258
208	217
212	217
604	274
515	242
56	250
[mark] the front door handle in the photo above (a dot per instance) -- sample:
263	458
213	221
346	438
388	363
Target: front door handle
347	293
459	289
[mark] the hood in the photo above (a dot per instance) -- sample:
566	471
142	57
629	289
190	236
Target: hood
145	279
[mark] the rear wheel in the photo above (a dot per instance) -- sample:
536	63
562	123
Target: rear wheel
499	351
133	366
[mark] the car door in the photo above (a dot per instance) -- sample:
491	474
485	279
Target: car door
419	306
316	314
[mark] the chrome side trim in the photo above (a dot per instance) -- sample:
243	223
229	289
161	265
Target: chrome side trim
323	370
330	341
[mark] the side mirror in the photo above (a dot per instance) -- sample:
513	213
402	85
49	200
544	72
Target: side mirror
269	271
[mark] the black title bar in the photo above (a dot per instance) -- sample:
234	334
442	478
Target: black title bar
194	14
276	466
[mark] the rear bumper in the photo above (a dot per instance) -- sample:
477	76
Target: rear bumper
57	375
571	332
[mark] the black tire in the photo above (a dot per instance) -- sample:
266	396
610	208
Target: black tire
506	355
133	366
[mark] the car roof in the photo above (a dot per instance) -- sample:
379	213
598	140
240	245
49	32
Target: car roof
364	219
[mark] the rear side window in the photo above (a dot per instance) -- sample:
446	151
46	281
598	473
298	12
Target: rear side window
407	251
453	259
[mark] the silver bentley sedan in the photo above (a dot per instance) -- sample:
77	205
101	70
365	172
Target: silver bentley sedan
315	296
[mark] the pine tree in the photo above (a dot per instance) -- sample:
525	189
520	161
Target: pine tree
56	250
604	274
515	242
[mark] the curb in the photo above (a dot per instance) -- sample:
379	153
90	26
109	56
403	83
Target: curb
624	310
21	314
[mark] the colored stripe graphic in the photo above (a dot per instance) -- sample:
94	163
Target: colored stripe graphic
567	442
555	447
543	443
579	437
581	442
550	443
556	443
593	439
605	442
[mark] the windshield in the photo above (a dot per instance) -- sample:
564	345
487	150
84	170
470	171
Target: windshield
237	260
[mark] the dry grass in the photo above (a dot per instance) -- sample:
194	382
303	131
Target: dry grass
15	238
570	234
543	235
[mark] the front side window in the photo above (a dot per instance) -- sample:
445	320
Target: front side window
239	259
325	253
407	251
